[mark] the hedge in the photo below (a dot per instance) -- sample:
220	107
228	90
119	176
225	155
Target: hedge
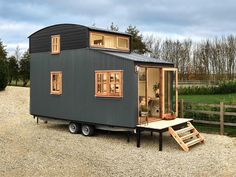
221	88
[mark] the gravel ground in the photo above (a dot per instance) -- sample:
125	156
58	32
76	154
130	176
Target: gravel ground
28	149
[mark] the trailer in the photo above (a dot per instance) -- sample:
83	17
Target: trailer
89	77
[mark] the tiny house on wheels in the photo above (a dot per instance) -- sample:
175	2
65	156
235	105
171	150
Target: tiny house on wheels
89	77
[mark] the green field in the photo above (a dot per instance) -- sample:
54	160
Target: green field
213	99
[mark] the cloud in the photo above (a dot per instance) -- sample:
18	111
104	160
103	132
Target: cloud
169	18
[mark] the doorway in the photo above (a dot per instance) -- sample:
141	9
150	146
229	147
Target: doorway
149	94
157	93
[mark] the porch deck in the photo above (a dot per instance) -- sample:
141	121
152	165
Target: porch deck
163	124
159	126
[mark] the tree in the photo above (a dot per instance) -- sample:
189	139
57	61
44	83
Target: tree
137	43
25	68
114	27
13	69
3	74
3	52
3	67
17	53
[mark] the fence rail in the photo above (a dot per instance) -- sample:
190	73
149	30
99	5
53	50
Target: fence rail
222	113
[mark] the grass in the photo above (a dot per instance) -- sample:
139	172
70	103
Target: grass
230	131
211	99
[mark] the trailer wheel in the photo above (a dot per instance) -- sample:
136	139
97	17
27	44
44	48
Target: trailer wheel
74	127
87	130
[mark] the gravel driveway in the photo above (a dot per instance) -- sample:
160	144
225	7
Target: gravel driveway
28	149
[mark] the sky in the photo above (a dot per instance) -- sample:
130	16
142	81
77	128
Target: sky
178	19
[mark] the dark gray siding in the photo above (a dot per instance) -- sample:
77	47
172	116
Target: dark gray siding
72	37
78	101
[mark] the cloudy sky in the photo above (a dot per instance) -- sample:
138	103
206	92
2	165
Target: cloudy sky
195	19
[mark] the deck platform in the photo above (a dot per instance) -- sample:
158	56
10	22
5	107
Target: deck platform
159	126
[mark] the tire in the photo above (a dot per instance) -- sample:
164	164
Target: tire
87	130
74	128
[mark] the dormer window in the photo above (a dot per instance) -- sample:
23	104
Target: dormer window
98	40
55	44
109	41
123	43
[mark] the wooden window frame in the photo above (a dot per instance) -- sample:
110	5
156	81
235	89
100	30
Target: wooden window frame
104	38
163	70
94	45
108	73
57	92
57	44
123	48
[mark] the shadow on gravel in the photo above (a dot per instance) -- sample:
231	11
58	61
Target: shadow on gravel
114	136
57	127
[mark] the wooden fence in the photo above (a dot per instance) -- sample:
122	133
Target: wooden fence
221	113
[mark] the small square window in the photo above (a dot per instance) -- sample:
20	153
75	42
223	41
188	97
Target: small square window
55	44
56	82
108	83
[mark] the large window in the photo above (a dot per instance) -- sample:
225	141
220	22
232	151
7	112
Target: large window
55	44
56	82
109	41
108	83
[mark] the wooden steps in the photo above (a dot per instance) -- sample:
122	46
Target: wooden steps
183	130
193	142
187	136
191	135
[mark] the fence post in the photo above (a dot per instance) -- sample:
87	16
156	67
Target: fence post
221	118
181	108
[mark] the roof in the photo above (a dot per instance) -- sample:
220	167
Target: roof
89	27
106	30
138	58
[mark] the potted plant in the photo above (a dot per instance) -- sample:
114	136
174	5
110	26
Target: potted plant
144	111
156	87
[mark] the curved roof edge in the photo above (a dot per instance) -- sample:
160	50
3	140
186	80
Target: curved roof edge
69	24
89	27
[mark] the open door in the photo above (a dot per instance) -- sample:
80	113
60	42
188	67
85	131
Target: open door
169	90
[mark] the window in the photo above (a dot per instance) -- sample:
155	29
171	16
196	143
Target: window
123	43
55	44
109	41
56	82
108	83
98	40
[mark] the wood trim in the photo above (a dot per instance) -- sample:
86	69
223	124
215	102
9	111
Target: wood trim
53	92
137	120
98	71
57	44
108	93
176	92
161	93
146	87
